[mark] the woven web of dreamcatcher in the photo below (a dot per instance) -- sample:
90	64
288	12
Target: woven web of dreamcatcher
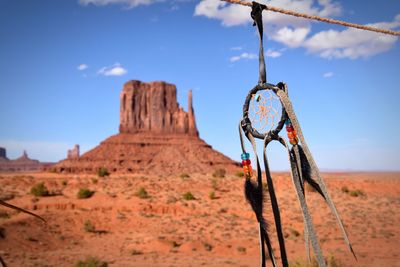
265	110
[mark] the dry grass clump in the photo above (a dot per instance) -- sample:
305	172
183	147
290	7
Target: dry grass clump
142	193
211	195
102	172
84	193
188	196
184	175
353	193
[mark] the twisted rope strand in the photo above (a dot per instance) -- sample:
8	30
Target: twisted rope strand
306	16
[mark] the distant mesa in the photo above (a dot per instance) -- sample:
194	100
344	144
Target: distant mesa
21	164
155	136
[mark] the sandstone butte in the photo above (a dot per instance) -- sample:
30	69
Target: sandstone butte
155	136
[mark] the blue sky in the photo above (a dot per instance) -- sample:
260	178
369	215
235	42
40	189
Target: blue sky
63	64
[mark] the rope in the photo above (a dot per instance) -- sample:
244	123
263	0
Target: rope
306	16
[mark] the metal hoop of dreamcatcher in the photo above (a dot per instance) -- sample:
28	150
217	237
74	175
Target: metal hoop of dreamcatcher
267	108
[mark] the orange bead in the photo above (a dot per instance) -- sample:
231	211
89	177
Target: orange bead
294	141
248	174
291	135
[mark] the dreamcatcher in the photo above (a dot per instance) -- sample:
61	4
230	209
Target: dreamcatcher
266	111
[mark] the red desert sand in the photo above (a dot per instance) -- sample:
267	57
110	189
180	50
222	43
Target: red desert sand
136	220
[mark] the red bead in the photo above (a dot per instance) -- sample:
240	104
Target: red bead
289	128
246	162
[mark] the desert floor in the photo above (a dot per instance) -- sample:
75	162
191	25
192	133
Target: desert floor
122	228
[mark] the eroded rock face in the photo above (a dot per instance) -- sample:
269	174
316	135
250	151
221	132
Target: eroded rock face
150	153
156	136
152	107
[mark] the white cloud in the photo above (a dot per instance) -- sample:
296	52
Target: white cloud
328	74
243	56
273	53
296	32
128	3
352	43
82	67
114	70
230	15
291	37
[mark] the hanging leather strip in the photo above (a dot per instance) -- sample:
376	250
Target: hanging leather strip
314	169
256	14
274	205
261	219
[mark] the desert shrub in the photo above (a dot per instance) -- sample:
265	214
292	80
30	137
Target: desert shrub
188	196
175	244
142	193
241	249
64	182
91	262
239	174
184	175
211	195
294	232
223	210
84	193
345	189
208	247
353	193
356	193
94	181
136	252
219	173
39	190
89	227
102	172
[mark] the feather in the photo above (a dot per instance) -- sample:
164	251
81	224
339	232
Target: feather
254	196
306	172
